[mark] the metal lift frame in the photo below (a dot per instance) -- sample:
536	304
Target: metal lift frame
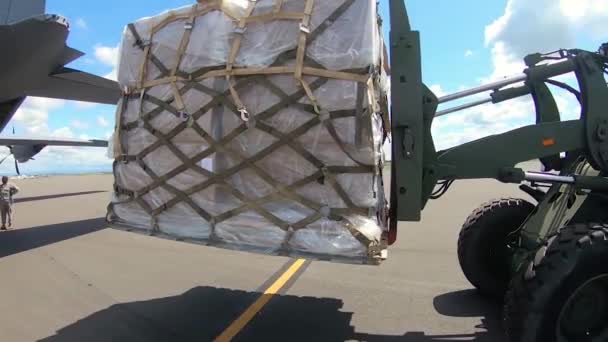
417	168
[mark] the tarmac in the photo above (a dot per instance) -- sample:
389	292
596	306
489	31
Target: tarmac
66	276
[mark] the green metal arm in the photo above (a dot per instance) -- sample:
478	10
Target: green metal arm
486	157
407	129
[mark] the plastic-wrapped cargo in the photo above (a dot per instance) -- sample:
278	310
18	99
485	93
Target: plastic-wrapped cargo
255	125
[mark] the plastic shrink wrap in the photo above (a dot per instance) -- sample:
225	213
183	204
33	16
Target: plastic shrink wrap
255	125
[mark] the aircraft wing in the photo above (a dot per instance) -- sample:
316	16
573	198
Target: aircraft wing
71	84
14	140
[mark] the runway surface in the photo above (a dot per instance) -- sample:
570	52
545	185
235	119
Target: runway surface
66	277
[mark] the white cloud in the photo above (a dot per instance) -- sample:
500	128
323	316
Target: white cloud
81	23
66	159
101	121
112	75
523	29
85	156
78	124
477	122
33	117
108	56
44	103
588	15
63	132
34	112
437	90
62	158
88	60
488	119
468	53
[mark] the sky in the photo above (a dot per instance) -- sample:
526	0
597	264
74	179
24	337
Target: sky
464	44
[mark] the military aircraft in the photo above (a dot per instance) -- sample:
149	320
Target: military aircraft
32	63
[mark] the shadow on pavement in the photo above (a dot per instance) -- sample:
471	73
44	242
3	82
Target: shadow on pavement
40	198
21	240
202	313
469	303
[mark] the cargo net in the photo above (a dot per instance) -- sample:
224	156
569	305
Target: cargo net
220	134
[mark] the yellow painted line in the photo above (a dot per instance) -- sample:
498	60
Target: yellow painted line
252	310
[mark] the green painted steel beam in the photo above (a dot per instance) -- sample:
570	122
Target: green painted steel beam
406	116
487	157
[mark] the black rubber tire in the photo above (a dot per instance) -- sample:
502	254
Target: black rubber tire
541	288
482	244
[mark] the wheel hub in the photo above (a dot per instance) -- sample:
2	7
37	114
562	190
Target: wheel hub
586	312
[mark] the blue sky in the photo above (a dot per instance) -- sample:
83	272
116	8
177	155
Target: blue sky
441	42
463	43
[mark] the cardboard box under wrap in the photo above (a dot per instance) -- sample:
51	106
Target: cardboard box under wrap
255	126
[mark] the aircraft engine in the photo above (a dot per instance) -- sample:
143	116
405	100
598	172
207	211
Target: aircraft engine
23	153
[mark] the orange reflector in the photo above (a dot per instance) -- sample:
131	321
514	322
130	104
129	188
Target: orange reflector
548	142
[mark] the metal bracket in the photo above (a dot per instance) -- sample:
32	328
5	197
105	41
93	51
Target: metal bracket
244	114
240	30
408	143
184	116
304	28
125	159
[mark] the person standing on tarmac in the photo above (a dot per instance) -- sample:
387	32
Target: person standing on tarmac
6	201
